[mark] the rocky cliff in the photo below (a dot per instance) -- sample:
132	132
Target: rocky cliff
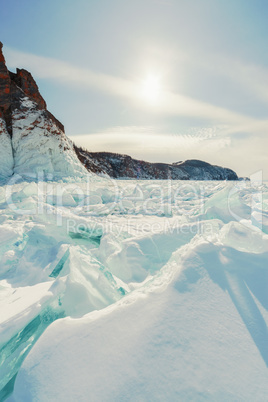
32	140
123	166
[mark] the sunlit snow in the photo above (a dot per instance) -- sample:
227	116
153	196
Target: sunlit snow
133	290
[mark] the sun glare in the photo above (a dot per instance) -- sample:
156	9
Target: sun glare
151	88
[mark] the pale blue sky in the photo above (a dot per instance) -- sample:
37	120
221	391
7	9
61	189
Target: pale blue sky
91	59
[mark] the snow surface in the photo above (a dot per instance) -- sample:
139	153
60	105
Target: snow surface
6	153
38	146
134	291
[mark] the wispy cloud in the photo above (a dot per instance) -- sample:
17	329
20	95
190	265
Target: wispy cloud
169	104
254	78
49	68
225	144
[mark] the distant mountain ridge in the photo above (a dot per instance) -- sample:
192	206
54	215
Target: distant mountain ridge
33	142
125	167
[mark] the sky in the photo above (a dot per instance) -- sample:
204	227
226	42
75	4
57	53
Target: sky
160	80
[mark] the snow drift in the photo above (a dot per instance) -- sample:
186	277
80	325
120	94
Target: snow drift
156	289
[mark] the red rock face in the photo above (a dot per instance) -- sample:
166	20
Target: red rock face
26	82
5	81
13	88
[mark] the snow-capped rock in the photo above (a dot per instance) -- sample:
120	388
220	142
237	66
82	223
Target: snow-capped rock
32	140
6	153
39	145
124	167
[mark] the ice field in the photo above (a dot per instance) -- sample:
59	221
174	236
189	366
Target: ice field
133	290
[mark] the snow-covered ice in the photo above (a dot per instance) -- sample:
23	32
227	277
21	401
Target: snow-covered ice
6	153
37	146
133	290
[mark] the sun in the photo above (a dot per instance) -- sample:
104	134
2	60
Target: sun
151	88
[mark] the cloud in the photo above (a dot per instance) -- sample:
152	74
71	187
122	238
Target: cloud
169	103
254	78
237	141
49	68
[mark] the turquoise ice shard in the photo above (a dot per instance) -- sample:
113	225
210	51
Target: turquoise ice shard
56	271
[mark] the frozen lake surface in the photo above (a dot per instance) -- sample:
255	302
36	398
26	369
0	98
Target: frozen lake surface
133	291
